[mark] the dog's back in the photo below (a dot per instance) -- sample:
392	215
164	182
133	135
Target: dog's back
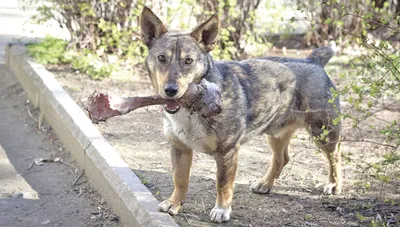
273	92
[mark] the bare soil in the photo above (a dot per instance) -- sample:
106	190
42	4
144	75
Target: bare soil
297	199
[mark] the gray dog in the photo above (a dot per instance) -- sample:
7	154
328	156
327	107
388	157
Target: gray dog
272	96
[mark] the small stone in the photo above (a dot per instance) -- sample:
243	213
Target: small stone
114	217
45	222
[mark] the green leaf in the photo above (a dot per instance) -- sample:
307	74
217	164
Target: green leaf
368	15
328	21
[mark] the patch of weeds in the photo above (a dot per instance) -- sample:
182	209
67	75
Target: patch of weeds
367	206
144	181
383	178
363	184
142	178
390	201
360	217
50	51
346	156
308	217
97	66
376	224
92	65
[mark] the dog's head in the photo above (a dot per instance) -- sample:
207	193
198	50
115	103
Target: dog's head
176	58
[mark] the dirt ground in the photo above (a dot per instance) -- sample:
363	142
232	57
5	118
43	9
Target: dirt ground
297	199
45	194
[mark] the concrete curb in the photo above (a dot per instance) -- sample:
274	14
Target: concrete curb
109	174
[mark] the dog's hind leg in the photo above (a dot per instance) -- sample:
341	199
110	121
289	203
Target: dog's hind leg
226	171
330	145
181	163
280	157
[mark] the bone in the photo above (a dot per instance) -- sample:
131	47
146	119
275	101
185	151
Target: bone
203	98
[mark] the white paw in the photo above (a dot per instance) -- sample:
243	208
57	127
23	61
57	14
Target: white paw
220	214
259	187
329	189
169	207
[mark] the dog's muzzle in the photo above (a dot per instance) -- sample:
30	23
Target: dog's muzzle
172	108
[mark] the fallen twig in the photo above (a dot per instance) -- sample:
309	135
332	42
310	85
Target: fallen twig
70	165
80	193
30	114
204	207
82	182
194	216
78	177
212	192
303	187
31	165
294	157
40	161
369	141
184	215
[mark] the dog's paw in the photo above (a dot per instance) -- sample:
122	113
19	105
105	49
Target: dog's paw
332	189
219	214
169	207
261	187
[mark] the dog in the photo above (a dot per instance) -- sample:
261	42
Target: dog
272	96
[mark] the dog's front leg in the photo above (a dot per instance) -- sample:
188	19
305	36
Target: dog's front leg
181	163
226	172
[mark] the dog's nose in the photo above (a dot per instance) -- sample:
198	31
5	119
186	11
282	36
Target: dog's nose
171	89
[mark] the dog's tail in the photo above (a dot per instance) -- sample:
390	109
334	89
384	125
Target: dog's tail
322	55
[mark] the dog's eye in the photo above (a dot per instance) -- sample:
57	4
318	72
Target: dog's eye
188	61
161	58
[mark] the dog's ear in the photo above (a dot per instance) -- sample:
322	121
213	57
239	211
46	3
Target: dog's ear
207	33
152	27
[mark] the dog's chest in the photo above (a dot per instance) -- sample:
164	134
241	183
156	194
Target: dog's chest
190	130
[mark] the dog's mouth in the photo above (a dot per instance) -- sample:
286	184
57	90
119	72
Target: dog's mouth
172	107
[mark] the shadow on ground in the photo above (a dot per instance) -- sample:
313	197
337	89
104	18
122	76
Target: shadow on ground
285	206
